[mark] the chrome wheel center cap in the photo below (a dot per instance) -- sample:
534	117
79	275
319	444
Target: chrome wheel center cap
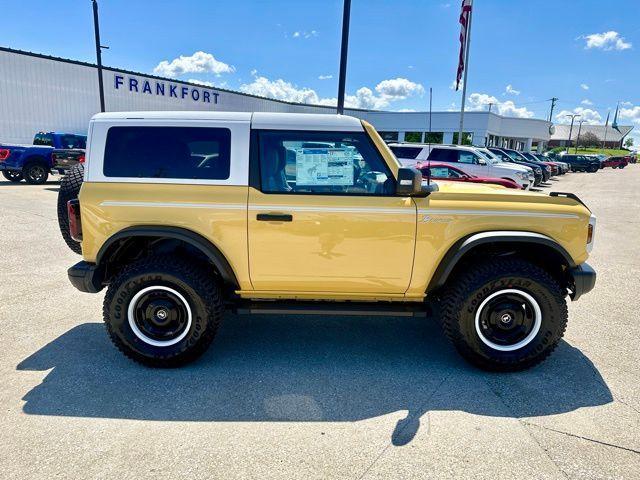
161	314
505	318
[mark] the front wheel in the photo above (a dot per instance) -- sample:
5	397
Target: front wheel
504	315
162	311
12	175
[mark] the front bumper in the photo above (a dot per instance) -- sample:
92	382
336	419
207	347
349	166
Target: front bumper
86	277
584	279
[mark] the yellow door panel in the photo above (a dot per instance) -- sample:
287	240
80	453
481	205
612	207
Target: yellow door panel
333	243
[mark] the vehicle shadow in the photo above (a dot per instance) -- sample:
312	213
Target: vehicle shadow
7	183
304	369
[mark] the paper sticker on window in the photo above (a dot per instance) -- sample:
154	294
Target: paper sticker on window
324	166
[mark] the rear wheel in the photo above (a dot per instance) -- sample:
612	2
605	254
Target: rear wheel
593	169
69	189
505	315
162	311
12	175
35	173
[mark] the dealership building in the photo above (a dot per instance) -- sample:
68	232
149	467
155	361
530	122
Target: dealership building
44	93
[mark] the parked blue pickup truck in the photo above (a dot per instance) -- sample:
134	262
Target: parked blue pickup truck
35	162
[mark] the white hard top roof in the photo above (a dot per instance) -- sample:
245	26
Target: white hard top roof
263	120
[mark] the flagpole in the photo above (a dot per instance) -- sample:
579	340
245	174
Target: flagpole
606	124
466	69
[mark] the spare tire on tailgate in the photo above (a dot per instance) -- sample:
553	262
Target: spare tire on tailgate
69	189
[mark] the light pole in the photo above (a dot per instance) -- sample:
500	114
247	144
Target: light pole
346	14
573	117
96	27
579	130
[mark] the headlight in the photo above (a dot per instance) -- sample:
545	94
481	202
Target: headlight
591	232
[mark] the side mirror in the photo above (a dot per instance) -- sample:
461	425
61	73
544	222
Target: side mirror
410	183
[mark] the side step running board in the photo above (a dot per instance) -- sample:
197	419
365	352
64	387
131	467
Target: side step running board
380	309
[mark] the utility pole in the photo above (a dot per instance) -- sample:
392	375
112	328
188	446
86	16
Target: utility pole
464	81
96	27
553	106
578	139
346	14
573	117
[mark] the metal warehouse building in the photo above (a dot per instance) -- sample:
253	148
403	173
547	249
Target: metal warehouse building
44	93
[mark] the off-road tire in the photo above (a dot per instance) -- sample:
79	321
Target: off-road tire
464	295
69	189
12	175
35	172
198	287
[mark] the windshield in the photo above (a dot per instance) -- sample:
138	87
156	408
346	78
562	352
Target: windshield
488	155
515	155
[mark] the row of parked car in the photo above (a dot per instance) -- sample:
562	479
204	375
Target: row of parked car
501	166
51	152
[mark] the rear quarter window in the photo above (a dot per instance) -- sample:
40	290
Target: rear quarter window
168	152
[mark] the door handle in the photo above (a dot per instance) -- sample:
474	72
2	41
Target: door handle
274	217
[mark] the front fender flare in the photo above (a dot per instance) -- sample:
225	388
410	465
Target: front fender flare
466	244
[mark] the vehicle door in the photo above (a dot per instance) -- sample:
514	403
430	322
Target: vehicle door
326	219
471	163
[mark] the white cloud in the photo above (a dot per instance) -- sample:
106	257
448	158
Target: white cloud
453	85
632	113
481	101
405	110
399	88
586	101
386	92
610	40
511	91
199	62
591	117
305	34
584	86
325	77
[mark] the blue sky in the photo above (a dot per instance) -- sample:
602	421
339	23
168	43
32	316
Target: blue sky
522	53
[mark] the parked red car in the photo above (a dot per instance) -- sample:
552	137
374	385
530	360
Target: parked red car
616	162
443	171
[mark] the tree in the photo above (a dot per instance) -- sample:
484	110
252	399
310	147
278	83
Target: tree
628	142
589	139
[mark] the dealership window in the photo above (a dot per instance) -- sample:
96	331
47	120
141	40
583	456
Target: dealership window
168	152
433	137
322	163
467	138
413	137
389	136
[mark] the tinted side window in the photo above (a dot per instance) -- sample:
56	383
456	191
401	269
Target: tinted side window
336	163
406	152
168	152
443	155
43	139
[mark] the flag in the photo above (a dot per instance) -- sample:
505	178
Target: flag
606	124
614	125
464	23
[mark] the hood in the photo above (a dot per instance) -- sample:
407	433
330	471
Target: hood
502	196
511	166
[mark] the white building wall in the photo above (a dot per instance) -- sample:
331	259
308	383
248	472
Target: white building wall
39	93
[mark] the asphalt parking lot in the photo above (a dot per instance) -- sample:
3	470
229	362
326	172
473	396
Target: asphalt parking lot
308	397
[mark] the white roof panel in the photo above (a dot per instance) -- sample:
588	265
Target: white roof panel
177	115
306	121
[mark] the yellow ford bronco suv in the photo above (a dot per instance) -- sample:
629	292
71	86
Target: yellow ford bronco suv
183	215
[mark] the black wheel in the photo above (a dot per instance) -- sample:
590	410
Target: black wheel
69	189
505	315
12	175
35	173
593	169
162	311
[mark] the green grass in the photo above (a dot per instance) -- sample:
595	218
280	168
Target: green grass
596	151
